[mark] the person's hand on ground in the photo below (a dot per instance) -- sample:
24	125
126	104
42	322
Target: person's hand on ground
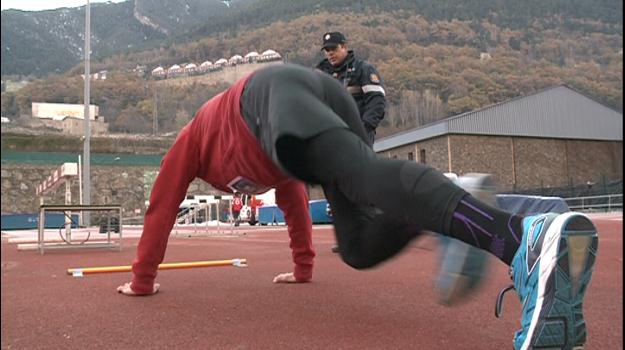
126	290
287	277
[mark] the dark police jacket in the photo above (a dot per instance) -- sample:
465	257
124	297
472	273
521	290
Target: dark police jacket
362	80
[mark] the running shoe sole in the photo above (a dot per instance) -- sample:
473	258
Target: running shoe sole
566	266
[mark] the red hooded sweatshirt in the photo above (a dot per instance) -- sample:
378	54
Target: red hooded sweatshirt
218	147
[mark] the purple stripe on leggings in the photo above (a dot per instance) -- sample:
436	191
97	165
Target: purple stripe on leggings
497	245
476	209
467	223
467	220
511	230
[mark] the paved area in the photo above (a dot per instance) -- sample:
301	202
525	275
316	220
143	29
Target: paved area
392	306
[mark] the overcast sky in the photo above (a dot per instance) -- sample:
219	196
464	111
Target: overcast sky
38	5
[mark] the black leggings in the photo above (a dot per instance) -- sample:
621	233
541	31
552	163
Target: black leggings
378	204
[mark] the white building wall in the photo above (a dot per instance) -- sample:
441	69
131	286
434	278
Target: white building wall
61	110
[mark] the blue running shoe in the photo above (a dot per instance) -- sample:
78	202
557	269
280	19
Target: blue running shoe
551	271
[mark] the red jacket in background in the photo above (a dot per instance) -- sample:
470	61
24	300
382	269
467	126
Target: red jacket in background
237	204
218	147
254	203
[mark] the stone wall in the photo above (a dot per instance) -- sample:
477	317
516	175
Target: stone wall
588	158
521	162
434	151
540	163
128	186
315	192
477	154
75	126
403	152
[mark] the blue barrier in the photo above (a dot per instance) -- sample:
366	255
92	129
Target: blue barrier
31	221
318	212
529	205
271	214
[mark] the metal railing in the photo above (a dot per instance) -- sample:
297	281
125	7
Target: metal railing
189	215
611	202
197	219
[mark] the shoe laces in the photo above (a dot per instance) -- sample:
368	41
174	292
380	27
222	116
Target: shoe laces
499	303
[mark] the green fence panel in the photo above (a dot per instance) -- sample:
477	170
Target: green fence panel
54	158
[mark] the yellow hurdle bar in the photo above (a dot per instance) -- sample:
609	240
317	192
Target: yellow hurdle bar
167	266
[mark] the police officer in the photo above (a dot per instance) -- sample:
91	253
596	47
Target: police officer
359	77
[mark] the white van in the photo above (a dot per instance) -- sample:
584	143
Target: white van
251	203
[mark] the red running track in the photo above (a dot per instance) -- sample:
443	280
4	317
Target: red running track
390	307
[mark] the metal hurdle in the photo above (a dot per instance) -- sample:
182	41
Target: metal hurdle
196	215
109	243
63	174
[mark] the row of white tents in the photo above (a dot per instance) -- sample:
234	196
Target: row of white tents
208	66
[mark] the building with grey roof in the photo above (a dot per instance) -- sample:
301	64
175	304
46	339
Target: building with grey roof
552	138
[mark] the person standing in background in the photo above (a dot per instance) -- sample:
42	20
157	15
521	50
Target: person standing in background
237	205
359	77
361	80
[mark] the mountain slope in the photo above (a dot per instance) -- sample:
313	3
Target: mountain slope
52	41
57	35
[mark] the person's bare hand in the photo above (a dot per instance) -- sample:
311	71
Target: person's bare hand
126	290
288	277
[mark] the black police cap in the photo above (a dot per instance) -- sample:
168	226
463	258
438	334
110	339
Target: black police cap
333	39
